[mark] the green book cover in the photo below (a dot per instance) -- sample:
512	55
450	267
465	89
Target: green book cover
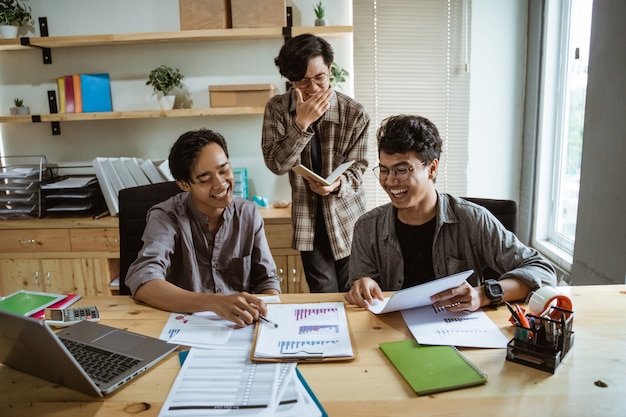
25	302
431	369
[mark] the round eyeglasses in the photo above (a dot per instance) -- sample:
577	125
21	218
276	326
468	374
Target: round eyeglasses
401	173
319	79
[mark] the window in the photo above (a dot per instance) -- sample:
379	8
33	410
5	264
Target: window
565	62
412	57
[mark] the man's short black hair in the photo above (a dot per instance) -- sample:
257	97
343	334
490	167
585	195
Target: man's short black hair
406	133
183	154
293	59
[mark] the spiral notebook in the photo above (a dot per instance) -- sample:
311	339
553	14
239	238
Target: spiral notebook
432	369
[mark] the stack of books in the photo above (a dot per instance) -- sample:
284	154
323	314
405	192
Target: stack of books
84	93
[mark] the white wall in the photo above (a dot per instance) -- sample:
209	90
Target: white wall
495	109
496	97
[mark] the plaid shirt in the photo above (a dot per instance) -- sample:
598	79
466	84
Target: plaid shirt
343	135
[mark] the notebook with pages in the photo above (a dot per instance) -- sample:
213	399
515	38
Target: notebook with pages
29	345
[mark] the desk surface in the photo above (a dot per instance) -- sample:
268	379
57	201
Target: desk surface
369	385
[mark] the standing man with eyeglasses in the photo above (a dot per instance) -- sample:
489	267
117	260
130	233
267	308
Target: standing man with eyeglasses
423	234
314	125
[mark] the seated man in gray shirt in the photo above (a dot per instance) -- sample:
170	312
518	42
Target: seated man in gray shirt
423	234
204	249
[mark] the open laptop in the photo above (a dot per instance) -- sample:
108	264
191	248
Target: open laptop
29	345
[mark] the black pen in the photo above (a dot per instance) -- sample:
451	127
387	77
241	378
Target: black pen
268	321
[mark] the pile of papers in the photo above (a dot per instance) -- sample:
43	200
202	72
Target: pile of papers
218	377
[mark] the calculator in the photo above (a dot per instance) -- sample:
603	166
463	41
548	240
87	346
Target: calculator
67	316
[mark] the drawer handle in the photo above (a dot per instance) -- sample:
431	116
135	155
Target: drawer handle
36	277
295	278
48	278
27	243
280	275
113	242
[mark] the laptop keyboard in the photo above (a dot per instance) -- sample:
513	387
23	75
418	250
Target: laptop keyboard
100	365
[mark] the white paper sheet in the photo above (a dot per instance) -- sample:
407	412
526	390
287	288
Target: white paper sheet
418	295
431	326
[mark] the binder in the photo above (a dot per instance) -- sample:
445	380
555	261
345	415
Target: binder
61	88
78	99
108	191
432	369
133	167
69	94
96	92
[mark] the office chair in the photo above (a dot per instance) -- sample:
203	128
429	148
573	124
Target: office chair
506	212
134	205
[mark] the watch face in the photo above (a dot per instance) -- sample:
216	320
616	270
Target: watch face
493	289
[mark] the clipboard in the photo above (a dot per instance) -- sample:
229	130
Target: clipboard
306	332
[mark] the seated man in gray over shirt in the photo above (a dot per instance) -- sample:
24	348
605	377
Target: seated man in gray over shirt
204	249
424	234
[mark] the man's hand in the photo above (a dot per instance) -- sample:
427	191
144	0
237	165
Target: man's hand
323	190
313	108
462	298
363	292
242	308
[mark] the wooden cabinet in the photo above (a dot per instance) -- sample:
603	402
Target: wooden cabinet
60	256
279	234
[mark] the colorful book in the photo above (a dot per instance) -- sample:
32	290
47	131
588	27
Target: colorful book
64	303
78	99
61	88
26	302
96	92
69	94
432	369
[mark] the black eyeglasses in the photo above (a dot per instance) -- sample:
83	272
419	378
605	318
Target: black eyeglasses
319	79
401	174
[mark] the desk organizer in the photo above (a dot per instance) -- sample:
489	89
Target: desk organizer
20	192
546	343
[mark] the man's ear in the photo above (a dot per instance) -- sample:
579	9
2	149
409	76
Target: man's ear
183	185
432	169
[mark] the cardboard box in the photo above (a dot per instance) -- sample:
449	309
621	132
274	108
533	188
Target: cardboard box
241	95
258	13
204	14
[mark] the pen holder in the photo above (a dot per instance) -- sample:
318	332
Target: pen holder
546	343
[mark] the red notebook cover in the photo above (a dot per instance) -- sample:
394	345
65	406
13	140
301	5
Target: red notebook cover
64	303
69	94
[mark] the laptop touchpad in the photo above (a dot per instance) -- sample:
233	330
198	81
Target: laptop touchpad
119	341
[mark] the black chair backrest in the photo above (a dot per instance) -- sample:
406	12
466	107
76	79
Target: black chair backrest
503	210
134	205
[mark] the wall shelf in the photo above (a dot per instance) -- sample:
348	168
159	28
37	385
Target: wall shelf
132	114
164	37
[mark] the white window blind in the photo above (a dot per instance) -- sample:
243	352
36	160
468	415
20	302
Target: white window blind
412	57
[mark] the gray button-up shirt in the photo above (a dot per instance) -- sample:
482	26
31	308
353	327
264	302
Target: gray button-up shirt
179	248
467	236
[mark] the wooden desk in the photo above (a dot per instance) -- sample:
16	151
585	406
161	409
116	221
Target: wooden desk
369	385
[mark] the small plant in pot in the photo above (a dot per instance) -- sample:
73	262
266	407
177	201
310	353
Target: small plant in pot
13	15
319	14
337	75
163	80
19	108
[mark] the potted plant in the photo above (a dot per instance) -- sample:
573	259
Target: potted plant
319	14
163	80
13	15
337	75
19	108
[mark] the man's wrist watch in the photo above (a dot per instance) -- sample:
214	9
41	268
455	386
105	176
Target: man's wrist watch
494	292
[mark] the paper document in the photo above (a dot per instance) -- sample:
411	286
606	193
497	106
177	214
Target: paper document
306	172
225	382
418	295
312	331
437	326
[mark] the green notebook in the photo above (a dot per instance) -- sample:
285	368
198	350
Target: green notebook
431	369
25	302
